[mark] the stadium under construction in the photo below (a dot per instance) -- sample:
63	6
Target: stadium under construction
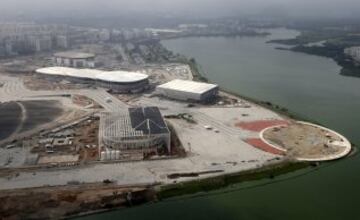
137	130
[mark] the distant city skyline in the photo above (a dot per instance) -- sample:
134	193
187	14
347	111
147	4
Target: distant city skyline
197	8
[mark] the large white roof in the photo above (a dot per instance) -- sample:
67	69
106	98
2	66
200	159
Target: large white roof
74	55
188	86
108	76
121	76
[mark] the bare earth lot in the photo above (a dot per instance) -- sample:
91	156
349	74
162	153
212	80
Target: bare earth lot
68	200
306	141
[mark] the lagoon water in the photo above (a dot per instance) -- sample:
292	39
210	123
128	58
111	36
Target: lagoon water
309	86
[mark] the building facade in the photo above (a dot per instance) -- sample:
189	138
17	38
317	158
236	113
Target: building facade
134	130
74	59
115	81
354	53
188	90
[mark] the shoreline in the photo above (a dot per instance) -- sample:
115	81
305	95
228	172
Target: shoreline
207	184
283	167
268	171
227	35
347	69
335	53
196	70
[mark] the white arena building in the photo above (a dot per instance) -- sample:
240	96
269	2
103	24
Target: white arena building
116	81
188	90
74	59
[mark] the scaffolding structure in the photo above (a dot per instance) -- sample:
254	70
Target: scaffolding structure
135	129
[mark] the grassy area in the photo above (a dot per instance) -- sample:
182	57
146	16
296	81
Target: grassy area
208	184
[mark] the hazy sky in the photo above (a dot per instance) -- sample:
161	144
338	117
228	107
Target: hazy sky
208	8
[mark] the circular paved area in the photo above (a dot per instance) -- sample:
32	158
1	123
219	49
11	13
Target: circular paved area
306	142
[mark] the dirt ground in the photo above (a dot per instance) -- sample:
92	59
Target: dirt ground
57	202
83	147
302	140
88	140
37	82
164	73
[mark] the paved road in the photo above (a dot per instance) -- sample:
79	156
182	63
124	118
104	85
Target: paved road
13	89
206	120
103	98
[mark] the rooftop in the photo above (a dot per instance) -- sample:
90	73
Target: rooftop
74	55
135	122
121	76
188	86
148	120
108	76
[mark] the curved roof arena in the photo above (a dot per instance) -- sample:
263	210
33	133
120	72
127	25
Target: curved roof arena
107	76
74	55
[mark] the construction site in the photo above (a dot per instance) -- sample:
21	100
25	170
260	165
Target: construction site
59	132
92	126
138	131
97	137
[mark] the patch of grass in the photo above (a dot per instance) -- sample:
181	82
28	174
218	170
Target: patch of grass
213	183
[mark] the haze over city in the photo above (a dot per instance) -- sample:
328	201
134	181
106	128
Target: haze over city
198	8
179	109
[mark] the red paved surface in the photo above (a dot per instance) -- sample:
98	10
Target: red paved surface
260	125
258	143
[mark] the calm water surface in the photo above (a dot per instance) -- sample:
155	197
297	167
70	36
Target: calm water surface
307	85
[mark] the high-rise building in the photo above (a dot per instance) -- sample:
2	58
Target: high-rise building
62	42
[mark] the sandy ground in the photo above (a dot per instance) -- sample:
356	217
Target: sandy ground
306	141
